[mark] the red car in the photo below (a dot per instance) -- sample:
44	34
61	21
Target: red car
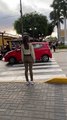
42	53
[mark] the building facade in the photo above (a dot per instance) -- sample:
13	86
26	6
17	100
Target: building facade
4	38
62	36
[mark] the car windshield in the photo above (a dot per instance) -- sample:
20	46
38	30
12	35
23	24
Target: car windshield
37	45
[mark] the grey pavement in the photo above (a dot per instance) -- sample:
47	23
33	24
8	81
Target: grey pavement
61	58
60	50
40	101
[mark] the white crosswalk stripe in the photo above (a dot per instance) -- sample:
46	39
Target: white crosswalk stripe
41	71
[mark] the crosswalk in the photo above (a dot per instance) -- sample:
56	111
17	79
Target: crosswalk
41	72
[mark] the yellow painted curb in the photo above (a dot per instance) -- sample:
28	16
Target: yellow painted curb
57	80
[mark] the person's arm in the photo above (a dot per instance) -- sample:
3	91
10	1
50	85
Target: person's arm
22	56
32	52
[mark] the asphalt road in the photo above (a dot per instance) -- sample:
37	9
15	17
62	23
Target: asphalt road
61	58
41	70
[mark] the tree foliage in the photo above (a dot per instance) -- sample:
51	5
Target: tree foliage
34	24
56	15
59	11
64	8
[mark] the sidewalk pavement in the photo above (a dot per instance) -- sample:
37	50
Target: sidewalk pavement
60	50
40	101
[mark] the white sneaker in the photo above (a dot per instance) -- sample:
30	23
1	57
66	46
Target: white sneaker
31	82
27	82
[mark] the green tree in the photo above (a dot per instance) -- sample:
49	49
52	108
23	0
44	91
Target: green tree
34	24
56	15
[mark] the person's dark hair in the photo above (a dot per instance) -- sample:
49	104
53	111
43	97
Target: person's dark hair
26	41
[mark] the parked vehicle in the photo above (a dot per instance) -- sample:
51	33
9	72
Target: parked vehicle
42	53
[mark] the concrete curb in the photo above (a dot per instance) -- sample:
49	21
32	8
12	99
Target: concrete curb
57	80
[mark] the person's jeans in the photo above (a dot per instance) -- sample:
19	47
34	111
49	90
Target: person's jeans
28	66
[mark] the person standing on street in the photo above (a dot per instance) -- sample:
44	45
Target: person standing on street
28	57
54	46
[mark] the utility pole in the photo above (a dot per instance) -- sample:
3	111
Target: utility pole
2	39
2	33
21	18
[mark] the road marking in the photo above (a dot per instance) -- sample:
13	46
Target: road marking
41	71
34	71
36	78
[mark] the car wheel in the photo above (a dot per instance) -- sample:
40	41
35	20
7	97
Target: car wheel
45	58
12	60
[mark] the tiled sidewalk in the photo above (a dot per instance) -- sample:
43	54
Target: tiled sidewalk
40	101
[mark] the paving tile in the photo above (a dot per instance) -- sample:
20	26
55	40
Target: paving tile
38	102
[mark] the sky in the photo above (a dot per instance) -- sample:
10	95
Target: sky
10	11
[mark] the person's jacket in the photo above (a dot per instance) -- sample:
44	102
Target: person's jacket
27	51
